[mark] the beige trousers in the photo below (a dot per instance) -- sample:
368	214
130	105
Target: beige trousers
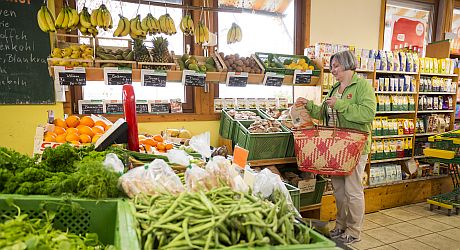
349	197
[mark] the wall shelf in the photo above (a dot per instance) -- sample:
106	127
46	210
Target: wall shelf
425	134
394	92
391	160
436	93
395	112
392	136
437	74
395	72
435	111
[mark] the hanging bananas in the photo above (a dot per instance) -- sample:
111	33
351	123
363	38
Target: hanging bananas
234	34
136	31
167	25
67	19
201	33
101	18
123	27
150	24
45	19
187	26
85	26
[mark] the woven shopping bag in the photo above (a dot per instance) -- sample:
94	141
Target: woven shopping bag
328	150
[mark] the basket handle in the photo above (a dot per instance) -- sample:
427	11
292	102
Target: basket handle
323	113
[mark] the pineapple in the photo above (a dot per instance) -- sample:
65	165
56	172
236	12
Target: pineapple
160	52
141	53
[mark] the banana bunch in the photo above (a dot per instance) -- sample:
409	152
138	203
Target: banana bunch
67	19
45	19
101	18
167	25
201	33
234	34
187	26
123	27
136	31
85	26
150	24
82	51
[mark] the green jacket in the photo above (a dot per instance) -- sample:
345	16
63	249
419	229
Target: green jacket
356	109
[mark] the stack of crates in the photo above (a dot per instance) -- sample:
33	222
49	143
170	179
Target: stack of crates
445	145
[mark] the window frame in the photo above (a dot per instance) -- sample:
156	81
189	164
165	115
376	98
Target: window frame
198	104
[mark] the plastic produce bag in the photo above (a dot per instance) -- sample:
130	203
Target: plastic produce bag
202	144
221	170
134	182
300	117
112	162
197	179
179	157
267	182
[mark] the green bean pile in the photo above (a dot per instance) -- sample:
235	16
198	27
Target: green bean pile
220	218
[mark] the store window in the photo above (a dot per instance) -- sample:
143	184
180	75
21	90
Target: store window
267	26
408	24
97	90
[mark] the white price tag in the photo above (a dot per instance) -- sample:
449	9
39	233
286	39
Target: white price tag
155	78
249	178
273	79
118	76
237	79
193	78
302	76
307	186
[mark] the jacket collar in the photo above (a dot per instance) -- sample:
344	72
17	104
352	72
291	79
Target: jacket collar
354	79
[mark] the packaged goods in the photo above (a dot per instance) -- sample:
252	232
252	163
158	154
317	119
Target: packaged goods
252	103
261	103
435	66
230	103
283	103
390	61
272	103
383	60
396	61
406	62
422	65
241	103
415	62
218	105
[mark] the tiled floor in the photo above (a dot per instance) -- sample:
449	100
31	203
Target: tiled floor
410	227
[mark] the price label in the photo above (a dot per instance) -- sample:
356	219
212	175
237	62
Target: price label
117	76
154	78
71	75
142	108
90	108
307	186
302	76
114	108
193	78
273	79
159	108
237	79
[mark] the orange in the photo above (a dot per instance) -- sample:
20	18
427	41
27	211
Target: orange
98	129
101	123
49	133
50	138
168	146
108	127
72	121
61	138
95	138
147	148
85	130
158	138
72	137
150	142
85	138
72	131
161	146
75	142
60	123
59	130
87	120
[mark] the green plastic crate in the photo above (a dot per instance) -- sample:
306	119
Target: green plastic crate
290	149
295	195
111	219
228	125
314	197
279	58
318	241
262	145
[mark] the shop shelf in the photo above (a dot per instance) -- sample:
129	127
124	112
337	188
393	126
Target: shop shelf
391	159
437	93
396	112
111	219
437	74
395	72
436	111
407	181
391	136
395	92
426	134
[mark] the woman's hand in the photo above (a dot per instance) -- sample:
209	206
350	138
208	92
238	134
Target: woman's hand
300	101
331	101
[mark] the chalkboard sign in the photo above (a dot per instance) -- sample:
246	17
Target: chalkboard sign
301	77
159	108
92	108
117	76
273	79
237	79
142	108
114	108
71	76
24	77
154	78
193	78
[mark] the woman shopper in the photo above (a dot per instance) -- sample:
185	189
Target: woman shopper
351	103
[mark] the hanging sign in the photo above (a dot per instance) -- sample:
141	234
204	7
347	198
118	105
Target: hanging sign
154	78
193	78
237	79
273	79
118	76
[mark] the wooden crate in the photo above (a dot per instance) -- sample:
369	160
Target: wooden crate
123	46
225	68
201	60
63	41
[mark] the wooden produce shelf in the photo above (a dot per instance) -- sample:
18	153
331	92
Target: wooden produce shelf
391	136
395	112
395	72
437	74
435	111
390	160
276	161
407	181
395	92
171	117
426	134
436	93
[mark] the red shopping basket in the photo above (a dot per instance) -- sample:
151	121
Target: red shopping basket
328	150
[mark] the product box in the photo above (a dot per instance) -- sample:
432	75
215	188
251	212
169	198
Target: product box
283	103
272	103
262	103
230	103
373	176
241	103
390	173
218	105
176	105
252	103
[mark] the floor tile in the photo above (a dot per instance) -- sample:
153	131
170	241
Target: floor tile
411	244
409	230
401	214
439	242
386	235
386	247
369	225
420	210
449	220
453	233
367	242
381	219
429	224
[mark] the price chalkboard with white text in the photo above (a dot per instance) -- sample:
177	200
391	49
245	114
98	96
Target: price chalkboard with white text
237	79
193	78
273	79
302	77
154	78
142	108
117	76
114	108
72	76
24	48
159	108
90	108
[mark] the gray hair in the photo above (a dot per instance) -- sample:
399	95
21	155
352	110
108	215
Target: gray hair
346	59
